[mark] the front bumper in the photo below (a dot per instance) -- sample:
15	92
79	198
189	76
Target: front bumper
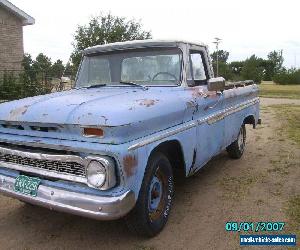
87	205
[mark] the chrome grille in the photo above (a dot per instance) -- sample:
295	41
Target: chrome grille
73	168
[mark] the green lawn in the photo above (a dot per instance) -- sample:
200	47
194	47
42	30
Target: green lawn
279	91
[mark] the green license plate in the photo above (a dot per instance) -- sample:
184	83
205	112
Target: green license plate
27	185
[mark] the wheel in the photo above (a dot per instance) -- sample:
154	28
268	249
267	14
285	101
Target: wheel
236	149
153	206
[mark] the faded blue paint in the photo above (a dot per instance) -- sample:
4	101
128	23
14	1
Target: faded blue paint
129	115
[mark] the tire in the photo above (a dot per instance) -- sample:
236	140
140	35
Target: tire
153	206
237	148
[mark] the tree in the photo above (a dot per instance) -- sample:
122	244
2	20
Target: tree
222	61
222	56
105	29
42	63
236	68
224	70
277	60
268	67
57	69
70	70
252	69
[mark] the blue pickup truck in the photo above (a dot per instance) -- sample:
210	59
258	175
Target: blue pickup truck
141	114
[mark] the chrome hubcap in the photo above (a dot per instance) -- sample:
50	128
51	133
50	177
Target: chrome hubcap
241	140
155	194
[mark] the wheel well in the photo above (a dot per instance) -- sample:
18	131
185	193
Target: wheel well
250	120
172	149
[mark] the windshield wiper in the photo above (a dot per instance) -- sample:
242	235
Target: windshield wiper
96	85
93	86
134	84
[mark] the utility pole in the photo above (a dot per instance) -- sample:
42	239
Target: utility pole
217	41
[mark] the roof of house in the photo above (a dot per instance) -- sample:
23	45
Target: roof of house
137	44
26	19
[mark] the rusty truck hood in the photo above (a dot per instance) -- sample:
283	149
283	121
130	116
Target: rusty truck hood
124	113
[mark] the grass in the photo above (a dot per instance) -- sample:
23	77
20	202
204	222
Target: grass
279	91
236	188
293	209
293	212
290	115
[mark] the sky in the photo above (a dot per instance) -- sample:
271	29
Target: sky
246	27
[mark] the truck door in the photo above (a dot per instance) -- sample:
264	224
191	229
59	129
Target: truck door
210	128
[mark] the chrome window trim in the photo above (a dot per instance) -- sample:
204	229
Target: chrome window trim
209	119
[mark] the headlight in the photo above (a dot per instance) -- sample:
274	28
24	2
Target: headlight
96	174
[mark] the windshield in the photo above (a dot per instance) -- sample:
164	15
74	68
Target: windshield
152	66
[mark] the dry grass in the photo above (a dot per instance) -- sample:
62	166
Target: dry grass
279	91
290	115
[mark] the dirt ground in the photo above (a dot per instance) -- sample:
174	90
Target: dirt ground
254	188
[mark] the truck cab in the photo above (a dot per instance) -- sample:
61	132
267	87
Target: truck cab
141	114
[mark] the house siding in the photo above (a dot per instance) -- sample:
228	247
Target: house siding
11	41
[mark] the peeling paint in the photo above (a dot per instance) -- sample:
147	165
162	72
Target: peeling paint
197	92
147	102
129	163
13	114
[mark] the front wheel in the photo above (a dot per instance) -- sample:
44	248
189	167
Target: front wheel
153	206
236	149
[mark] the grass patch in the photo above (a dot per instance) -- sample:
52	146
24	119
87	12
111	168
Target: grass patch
279	91
293	212
293	209
290	116
236	188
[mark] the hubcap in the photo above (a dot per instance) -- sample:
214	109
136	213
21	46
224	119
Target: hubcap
241	140
155	194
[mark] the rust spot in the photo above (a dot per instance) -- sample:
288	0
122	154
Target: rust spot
147	102
197	92
17	112
129	163
191	104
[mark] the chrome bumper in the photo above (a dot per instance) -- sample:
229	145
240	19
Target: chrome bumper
92	206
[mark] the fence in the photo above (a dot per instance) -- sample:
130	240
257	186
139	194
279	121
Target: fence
20	84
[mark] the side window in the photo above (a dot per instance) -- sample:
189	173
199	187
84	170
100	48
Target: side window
196	70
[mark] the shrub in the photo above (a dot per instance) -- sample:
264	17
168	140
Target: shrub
291	76
20	85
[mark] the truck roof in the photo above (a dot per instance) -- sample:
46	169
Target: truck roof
137	44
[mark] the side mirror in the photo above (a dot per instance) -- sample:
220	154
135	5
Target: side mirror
216	84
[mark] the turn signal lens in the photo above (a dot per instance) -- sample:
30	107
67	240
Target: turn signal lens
93	132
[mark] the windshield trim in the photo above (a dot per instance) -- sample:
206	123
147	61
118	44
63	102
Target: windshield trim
180	80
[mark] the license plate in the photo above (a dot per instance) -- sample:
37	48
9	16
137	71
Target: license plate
27	185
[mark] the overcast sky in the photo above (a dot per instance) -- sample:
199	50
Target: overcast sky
246	27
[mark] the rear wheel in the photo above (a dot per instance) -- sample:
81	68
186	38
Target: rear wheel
153	206
236	149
